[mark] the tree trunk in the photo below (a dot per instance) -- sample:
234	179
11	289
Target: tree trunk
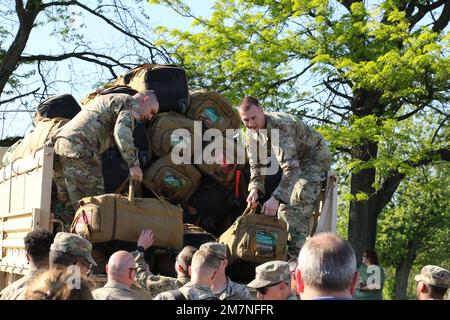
10	60
402	272
362	224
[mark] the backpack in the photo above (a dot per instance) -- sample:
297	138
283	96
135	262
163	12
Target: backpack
108	89
256	238
176	183
62	106
45	129
219	169
168	81
213	110
161	134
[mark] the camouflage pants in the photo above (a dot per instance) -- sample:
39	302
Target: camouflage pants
297	214
83	177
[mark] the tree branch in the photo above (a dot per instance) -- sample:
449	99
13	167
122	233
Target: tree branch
390	185
17	97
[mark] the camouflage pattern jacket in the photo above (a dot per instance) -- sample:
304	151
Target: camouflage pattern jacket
106	120
234	291
301	152
190	291
154	284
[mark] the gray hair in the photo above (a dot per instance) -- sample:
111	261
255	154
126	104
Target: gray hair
327	262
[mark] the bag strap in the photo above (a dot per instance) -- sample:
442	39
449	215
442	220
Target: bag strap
250	209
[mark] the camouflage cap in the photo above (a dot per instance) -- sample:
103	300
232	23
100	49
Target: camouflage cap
219	248
73	244
435	276
271	273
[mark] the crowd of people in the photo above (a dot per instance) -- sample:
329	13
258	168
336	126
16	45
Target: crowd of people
325	269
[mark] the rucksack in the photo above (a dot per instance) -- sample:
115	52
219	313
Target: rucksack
176	183
219	169
108	89
168	81
213	110
256	238
62	106
216	207
162	135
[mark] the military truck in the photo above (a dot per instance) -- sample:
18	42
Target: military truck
25	205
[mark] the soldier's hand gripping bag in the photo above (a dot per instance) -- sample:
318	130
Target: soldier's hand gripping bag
114	217
256	238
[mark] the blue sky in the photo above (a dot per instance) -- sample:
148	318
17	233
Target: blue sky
78	78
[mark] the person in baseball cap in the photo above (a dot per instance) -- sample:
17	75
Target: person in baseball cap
433	283
71	249
223	288
273	281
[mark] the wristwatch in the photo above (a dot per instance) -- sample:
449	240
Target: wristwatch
140	249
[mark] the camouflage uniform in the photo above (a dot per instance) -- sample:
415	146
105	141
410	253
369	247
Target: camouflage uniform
305	159
115	291
16	290
154	284
271	273
434	275
190	291
74	245
233	290
106	120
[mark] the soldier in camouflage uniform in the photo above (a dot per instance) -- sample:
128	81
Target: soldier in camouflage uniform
433	283
304	158
223	287
68	250
204	267
37	248
156	284
121	270
273	281
106	120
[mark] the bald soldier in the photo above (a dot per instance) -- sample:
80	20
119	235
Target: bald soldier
105	121
223	288
121	271
304	159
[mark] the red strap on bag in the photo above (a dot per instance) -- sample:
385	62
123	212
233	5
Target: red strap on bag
238	178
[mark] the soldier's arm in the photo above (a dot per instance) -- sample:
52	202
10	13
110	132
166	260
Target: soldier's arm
123	135
289	163
256	178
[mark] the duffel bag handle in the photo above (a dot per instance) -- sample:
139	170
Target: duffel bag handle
250	209
131	191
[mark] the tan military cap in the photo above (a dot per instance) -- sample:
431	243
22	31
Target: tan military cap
73	244
271	273
435	276
219	248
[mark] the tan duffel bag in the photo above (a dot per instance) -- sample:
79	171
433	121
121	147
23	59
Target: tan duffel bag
161	134
213	110
45	129
174	182
115	217
256	238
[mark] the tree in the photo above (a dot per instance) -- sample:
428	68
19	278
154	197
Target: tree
414	229
29	72
359	71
